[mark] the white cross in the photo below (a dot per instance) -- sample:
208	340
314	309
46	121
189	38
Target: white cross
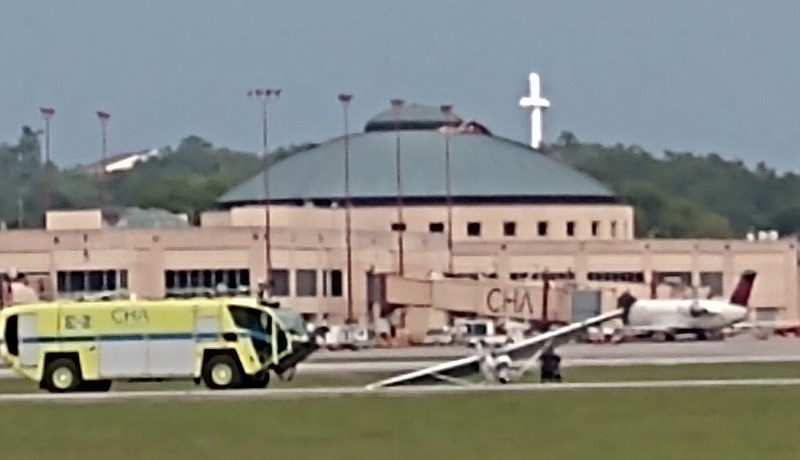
537	104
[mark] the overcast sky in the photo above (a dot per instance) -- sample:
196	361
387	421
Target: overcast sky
698	75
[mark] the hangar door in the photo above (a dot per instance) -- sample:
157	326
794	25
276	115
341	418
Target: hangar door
585	304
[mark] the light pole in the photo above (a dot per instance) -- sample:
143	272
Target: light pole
400	226
263	96
47	114
345	99
20	192
104	117
447	110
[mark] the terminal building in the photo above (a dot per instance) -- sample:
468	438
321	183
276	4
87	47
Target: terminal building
482	226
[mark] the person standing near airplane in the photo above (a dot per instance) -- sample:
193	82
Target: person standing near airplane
550	366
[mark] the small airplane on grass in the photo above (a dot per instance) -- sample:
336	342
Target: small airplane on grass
496	364
504	364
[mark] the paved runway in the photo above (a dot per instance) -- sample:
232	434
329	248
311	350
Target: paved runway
374	367
622	359
404	366
741	349
205	395
735	346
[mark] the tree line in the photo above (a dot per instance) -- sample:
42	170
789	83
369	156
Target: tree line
689	195
186	179
680	195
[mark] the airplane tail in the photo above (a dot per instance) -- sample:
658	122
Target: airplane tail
741	293
625	302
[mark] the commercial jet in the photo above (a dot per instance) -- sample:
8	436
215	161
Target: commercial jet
507	363
665	318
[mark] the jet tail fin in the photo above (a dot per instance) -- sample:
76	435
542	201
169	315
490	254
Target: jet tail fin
741	293
625	302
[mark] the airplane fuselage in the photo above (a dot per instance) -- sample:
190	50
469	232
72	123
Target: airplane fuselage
495	367
675	316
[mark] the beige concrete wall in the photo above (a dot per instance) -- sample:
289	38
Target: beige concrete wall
147	254
287	217
215	219
488	298
74	219
408	291
614	222
775	261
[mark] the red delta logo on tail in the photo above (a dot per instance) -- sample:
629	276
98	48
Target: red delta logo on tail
741	293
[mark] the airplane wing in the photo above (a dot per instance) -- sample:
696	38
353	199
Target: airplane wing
525	349
455	369
470	365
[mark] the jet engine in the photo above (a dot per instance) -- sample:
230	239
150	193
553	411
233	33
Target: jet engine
696	311
502	369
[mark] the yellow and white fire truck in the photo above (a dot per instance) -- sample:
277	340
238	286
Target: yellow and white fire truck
84	346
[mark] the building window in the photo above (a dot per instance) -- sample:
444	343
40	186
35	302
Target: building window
280	282
182	283
567	275
571	228
595	227
619	277
78	282
436	227
714	282
613	229
474	229
509	228
680	278
306	283
336	283
541	228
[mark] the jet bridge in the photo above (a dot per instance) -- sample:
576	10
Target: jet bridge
432	303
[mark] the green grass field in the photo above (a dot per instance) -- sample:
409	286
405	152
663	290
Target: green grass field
705	423
577	374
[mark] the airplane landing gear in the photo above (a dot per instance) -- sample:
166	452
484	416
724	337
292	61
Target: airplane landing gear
702	336
710	335
663	336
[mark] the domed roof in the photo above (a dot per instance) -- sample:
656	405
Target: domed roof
412	117
483	167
